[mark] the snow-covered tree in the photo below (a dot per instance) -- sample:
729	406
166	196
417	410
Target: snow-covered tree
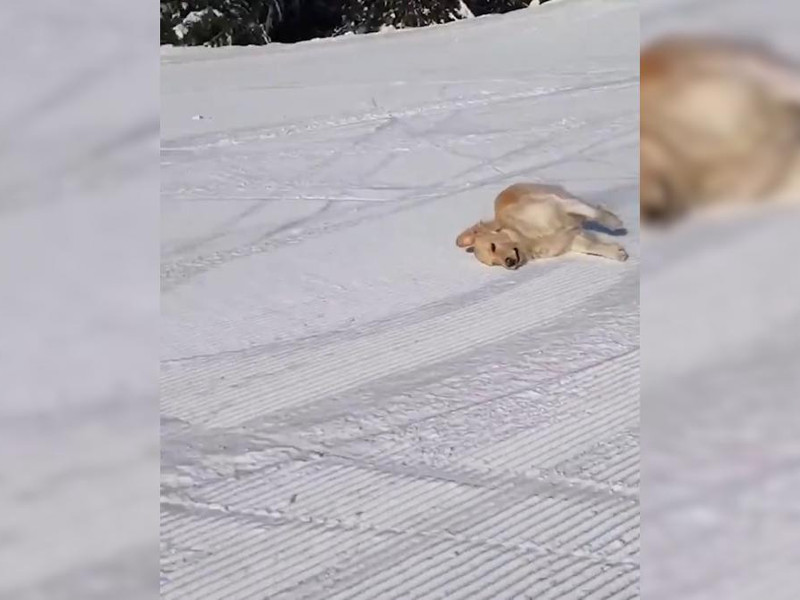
247	22
221	22
485	7
364	16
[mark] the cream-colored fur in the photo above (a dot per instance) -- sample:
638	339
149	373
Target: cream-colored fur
720	122
533	220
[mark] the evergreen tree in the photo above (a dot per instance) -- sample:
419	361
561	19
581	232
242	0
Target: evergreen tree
485	7
221	22
256	22
365	16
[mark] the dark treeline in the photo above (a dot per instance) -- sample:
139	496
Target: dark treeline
256	22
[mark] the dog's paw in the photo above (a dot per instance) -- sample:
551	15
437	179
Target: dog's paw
621	254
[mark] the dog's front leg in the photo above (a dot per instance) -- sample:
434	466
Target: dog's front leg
552	245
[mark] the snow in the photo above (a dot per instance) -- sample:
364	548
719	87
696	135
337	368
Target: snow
352	407
463	11
181	29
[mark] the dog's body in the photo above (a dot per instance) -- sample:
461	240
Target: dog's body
720	121
535	220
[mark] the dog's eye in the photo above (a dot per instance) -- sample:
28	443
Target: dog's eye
493	247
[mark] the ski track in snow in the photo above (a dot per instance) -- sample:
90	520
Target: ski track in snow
351	406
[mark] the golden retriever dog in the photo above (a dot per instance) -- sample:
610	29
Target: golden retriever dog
720	123
533	220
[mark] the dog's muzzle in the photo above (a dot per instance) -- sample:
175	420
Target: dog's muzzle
512	263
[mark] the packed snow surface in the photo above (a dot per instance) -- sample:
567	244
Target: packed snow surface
352	407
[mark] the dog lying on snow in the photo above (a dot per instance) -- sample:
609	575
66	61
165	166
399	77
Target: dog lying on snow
720	122
533	220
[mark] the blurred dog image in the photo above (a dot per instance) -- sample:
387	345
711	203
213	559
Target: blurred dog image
720	122
535	220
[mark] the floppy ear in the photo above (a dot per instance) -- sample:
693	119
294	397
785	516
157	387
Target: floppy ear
466	239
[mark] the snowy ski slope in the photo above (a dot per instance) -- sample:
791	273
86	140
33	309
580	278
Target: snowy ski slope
351	406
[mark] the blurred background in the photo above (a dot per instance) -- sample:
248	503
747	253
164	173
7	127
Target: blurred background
79	300
720	380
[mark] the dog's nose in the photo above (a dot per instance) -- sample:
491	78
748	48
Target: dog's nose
510	262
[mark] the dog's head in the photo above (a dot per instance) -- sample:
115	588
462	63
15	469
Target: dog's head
493	245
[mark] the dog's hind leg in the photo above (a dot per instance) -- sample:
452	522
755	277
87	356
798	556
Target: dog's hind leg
588	243
598	214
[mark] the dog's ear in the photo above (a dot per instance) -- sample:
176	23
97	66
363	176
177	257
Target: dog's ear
466	239
493	225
